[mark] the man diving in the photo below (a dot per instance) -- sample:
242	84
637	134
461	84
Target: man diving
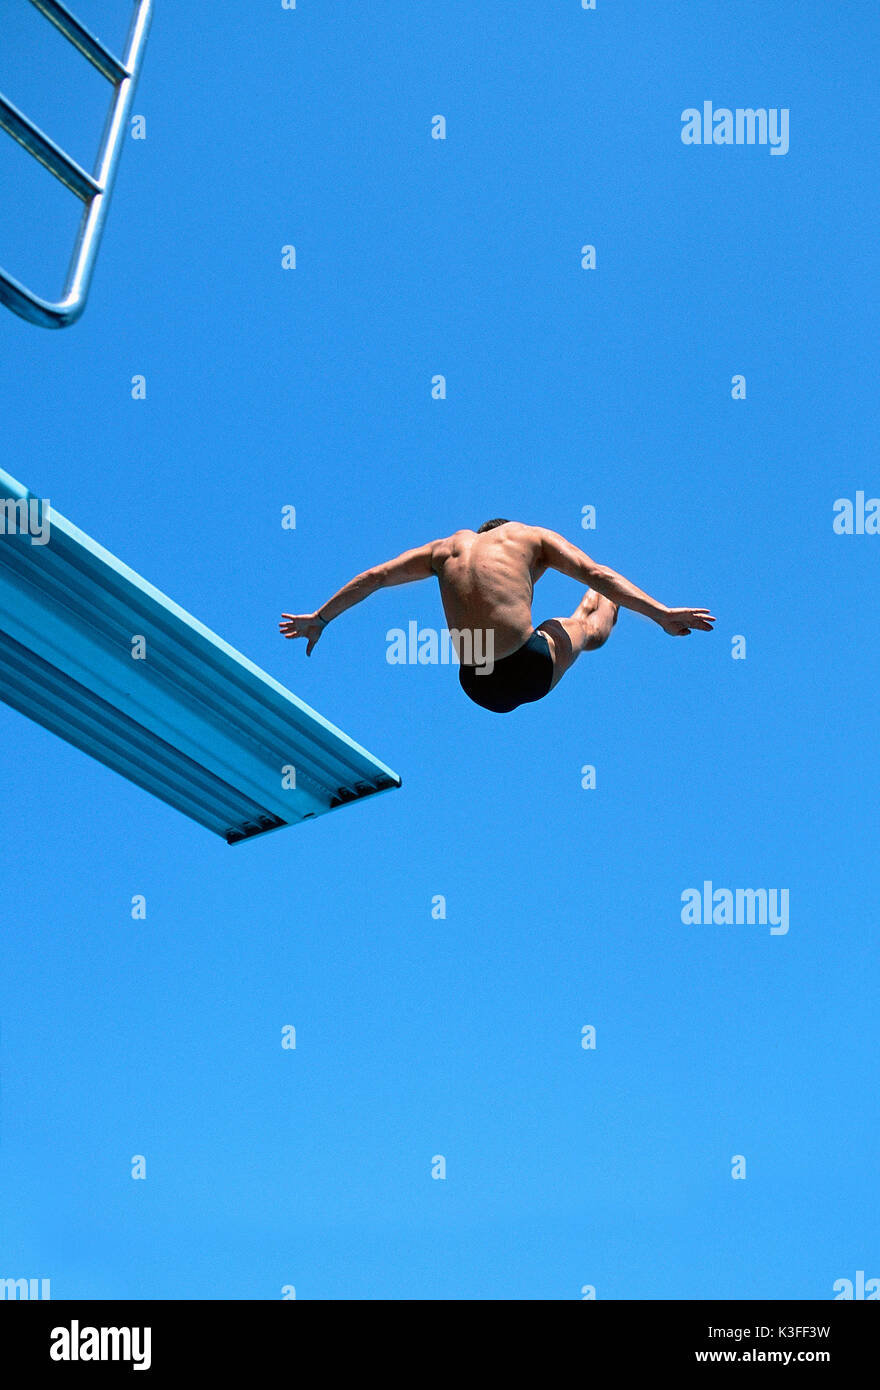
487	579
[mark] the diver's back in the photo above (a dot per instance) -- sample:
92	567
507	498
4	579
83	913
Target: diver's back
486	582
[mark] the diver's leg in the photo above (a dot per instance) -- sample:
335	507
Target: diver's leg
588	628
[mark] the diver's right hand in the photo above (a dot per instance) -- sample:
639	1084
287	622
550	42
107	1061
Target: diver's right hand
679	622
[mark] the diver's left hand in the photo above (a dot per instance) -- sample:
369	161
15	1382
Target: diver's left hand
307	625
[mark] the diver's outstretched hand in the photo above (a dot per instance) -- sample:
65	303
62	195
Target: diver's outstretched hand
307	625
679	622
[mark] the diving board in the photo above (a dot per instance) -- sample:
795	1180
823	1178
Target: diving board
93	189
100	657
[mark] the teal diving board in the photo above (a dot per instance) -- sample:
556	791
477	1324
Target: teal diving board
100	657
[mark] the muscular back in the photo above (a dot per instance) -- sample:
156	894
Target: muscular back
486	581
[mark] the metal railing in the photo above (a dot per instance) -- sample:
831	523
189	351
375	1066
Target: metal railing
95	189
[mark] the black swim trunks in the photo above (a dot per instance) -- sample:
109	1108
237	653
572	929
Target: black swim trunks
518	679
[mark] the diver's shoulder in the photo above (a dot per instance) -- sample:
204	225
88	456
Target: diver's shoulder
455	544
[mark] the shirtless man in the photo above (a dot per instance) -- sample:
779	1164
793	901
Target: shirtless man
487	581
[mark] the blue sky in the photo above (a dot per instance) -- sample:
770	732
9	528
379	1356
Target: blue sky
566	388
